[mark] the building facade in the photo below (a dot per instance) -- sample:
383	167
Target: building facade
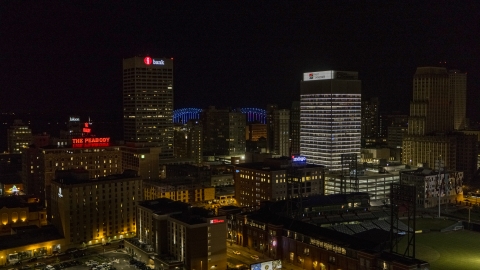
223	132
281	134
330	117
295	128
19	137
174	232
370	121
95	211
434	187
458	87
271	180
184	191
148	102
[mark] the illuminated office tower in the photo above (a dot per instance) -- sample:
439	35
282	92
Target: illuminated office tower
19	137
148	103
458	88
330	117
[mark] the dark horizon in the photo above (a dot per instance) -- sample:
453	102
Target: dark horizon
66	58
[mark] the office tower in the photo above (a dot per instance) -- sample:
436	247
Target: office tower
295	128
144	160
431	123
192	237
330	117
180	136
148	103
431	108
195	141
458	88
270	179
270	126
19	136
370	122
94	211
281	132
224	132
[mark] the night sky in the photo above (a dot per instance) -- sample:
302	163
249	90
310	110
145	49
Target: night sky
67	58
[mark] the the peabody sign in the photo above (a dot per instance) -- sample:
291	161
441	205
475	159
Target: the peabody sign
90	142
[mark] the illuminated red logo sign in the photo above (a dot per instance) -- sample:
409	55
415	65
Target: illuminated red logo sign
90	142
215	221
86	129
147	60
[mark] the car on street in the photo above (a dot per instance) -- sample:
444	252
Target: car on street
236	252
255	257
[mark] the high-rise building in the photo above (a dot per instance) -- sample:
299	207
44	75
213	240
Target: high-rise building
295	128
431	123
255	131
370	122
270	126
19	137
148	102
224	132
458	88
330	117
195	141
281	132
94	211
431	108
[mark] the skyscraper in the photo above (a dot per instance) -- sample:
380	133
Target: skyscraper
295	128
281	133
330	117
370	122
458	88
148	103
430	137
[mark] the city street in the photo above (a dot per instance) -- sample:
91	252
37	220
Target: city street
244	258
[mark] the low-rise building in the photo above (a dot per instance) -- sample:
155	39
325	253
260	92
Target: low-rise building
172	233
276	179
434	187
21	211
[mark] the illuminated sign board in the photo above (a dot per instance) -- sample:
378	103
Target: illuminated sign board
319	75
299	159
215	221
147	60
86	128
269	265
74	119
158	62
90	142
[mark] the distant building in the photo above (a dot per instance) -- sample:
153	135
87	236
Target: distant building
281	134
370	121
330	117
148	103
94	211
144	160
187	190
178	235
269	181
255	131
19	137
295	128
458	88
223	132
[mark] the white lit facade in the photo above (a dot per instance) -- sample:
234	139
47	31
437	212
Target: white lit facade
330	117
148	102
